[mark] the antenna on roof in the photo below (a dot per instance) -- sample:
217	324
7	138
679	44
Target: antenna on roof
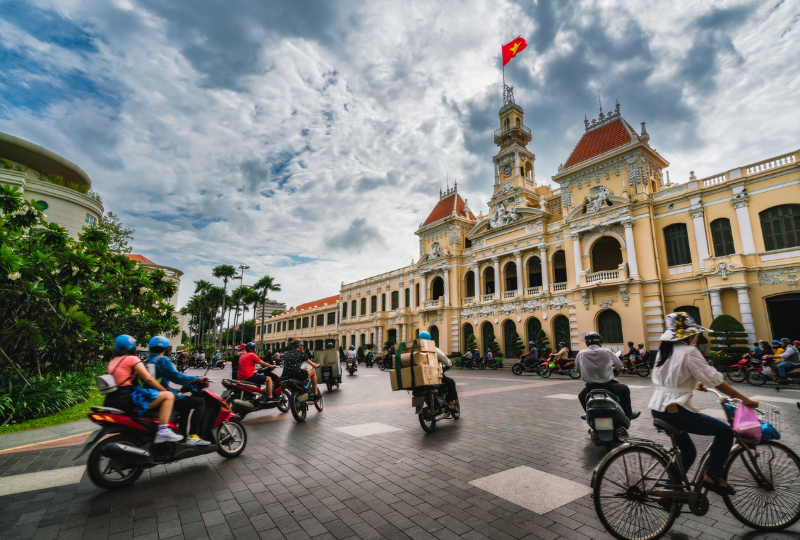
599	102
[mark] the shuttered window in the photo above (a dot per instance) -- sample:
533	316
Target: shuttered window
363	306
332	317
407	298
677	239
373	303
722	237
353	306
395	299
781	226
320	320
609	325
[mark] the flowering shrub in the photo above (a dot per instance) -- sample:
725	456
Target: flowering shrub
62	301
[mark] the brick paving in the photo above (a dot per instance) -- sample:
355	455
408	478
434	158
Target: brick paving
301	481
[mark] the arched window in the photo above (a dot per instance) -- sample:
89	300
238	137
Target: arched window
437	288
416	294
518	123
364	306
677	240
383	302
508	330
353	308
395	300
533	329
434	332
465	333
469	284
487	333
344	310
781	226
511	277
488	281
606	254
560	267
722	237
508	124
609	325
560	331
407	298
534	272
373	303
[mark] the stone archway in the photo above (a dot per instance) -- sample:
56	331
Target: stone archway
606	254
437	288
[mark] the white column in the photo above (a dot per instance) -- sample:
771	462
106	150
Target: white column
716	303
402	332
423	292
743	217
700	236
747	313
380	337
496	265
545	268
446	271
578	256
631	248
476	271
518	255
413	297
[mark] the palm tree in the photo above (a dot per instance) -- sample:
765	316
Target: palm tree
224	272
201	287
251	297
215	297
265	285
236	294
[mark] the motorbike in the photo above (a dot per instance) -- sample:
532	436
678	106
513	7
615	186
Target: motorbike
431	406
468	363
351	366
544	370
300	397
738	372
117	461
217	363
181	363
519	367
369	361
608	424
490	363
768	371
244	397
386	362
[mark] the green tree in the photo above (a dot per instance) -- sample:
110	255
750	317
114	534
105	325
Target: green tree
542	342
360	353
252	298
472	344
728	340
516	343
118	236
224	272
265	285
493	346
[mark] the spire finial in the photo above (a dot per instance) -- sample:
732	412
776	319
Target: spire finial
600	102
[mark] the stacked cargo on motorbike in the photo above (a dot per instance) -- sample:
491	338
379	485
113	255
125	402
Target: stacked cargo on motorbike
415	365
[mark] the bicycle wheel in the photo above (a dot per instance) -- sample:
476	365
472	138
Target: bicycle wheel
643	370
621	495
737	374
770	505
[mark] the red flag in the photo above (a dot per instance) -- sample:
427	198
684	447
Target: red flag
510	50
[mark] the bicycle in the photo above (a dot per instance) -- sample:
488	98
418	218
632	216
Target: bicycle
635	502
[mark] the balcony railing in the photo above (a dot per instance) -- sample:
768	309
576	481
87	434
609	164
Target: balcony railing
487	297
605	275
469	301
502	131
558	287
531	291
509	294
433	303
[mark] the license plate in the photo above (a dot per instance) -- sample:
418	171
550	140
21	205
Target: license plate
601	424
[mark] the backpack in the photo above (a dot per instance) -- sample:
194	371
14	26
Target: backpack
106	384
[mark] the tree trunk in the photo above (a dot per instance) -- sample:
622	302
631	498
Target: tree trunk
222	322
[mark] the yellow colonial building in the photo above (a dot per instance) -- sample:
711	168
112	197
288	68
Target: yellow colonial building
613	249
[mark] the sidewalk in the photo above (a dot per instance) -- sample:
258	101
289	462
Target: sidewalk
33	436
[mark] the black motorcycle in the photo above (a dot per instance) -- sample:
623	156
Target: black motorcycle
386	362
369	361
469	363
217	363
351	366
431	406
181	363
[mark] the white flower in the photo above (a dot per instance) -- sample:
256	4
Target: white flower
143	290
75	270
14	276
112	306
44	216
54	272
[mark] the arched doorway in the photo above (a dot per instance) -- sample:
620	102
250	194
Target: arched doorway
391	335
469	283
609	325
486	330
508	330
533	329
783	310
437	288
488	280
534	272
511	276
606	254
434	332
560	331
559	267
466	331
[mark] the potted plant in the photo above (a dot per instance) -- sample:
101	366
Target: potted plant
728	341
516	345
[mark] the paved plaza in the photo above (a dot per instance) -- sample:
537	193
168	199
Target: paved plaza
516	465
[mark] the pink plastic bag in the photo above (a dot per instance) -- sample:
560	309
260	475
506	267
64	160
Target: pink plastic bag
746	424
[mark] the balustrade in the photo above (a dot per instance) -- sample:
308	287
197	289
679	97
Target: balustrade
772	163
469	301
509	294
558	287
531	291
605	275
487	297
433	303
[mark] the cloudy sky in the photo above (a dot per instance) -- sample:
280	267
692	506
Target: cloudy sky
309	139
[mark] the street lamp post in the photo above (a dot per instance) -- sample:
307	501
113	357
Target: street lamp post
238	300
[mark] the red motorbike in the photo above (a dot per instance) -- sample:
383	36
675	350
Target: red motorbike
244	397
117	461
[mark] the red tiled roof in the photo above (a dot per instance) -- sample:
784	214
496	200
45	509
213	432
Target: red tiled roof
445	208
140	258
331	300
601	140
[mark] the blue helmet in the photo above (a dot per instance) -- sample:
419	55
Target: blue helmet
158	342
424	335
124	343
250	346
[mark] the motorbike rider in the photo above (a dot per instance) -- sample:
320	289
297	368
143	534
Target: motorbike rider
467	358
532	357
790	357
293	362
596	365
561	358
447	382
632	356
130	397
162	369
247	370
351	354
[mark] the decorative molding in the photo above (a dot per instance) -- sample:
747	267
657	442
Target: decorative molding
723	269
506	309
596	201
558	302
623	292
486	312
740	200
586	301
790	276
534	227
531	306
606	304
697	212
627	222
469	313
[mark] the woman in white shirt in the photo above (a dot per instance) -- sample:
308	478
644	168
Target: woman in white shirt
678	370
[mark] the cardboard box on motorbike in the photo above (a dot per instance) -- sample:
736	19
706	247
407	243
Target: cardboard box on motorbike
328	358
415	365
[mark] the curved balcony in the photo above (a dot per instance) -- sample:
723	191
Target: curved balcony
501	132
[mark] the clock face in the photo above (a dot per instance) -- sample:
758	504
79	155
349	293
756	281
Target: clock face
507	170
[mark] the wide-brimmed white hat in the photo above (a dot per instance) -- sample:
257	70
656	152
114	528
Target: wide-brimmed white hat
681	325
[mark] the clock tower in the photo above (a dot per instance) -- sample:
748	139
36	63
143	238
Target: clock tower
513	164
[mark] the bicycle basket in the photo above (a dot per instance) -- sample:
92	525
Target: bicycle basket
768	415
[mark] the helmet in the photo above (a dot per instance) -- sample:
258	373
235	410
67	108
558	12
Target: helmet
352	347
593	338
124	343
776	342
531	343
785	340
424	335
562	344
630	344
250	346
158	342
